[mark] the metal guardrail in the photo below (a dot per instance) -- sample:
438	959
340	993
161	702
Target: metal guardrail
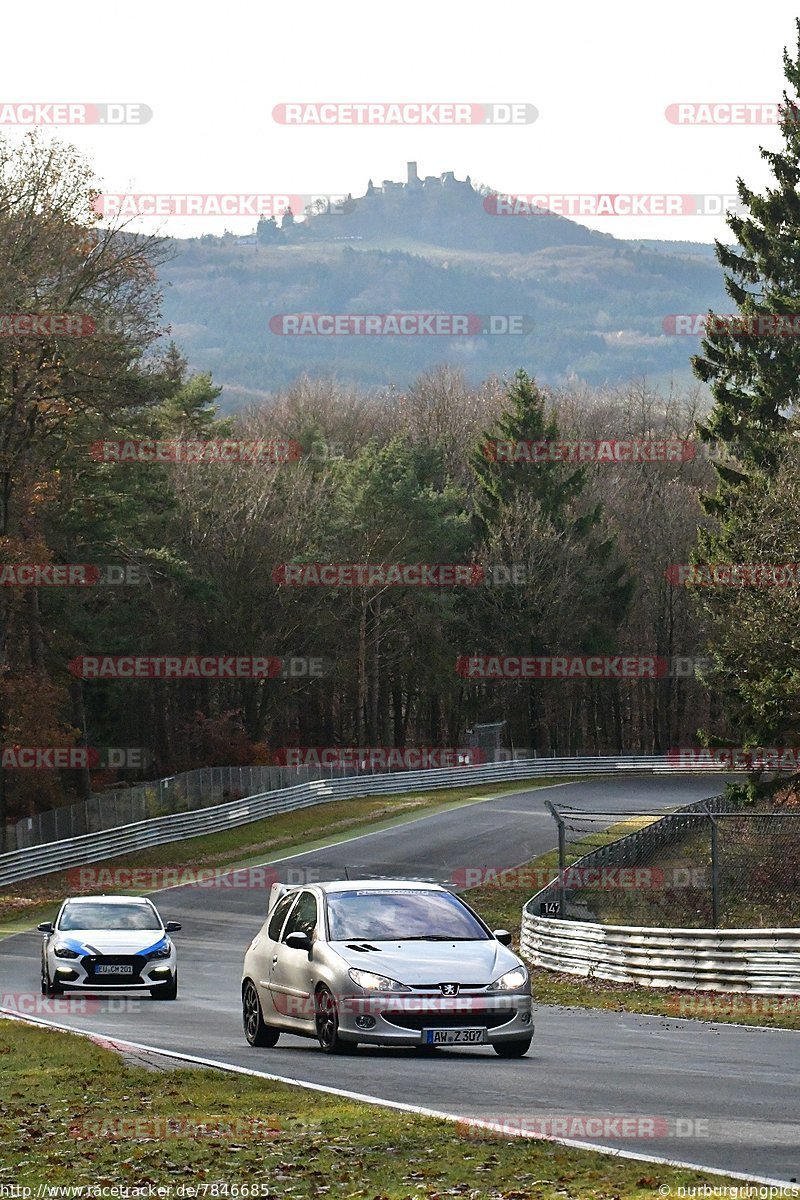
33	861
716	960
204	787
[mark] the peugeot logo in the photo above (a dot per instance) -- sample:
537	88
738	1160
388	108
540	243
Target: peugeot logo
449	989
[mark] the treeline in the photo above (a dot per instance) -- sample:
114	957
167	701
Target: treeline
385	477
570	559
575	559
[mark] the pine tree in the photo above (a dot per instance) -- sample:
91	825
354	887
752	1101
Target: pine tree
752	363
524	419
754	369
535	516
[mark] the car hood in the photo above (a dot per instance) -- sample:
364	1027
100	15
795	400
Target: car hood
419	963
111	941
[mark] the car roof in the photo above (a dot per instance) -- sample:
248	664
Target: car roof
379	885
108	900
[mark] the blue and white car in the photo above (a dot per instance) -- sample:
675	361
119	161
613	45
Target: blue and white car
107	943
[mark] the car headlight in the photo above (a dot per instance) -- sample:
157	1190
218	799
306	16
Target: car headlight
511	981
377	983
162	952
65	952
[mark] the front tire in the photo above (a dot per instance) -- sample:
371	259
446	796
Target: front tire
255	1030
166	991
327	1022
514	1049
48	988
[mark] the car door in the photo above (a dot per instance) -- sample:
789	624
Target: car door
291	977
264	946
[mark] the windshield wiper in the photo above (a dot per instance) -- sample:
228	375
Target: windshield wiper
433	937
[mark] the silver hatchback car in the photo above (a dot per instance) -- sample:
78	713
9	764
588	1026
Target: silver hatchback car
384	962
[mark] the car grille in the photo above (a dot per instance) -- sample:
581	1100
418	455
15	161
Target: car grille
434	987
489	1018
137	961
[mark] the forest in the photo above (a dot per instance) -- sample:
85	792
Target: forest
356	550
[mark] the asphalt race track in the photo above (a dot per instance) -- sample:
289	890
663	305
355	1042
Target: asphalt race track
725	1095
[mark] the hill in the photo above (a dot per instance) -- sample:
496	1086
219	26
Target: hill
595	304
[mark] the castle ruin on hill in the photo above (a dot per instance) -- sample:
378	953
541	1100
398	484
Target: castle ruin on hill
413	183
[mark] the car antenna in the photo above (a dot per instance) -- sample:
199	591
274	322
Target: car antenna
347	877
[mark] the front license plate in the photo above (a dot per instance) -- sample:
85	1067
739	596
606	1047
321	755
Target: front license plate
454	1037
112	969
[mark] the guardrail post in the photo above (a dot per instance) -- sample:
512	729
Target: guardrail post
562	860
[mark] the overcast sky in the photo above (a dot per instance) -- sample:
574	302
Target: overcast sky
600	76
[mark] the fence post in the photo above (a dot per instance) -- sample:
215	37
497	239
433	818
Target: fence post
714	871
562	860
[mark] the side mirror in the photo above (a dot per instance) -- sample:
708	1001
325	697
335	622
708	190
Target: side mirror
172	926
503	936
299	941
45	927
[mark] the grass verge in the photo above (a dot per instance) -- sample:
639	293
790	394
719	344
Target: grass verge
121	1125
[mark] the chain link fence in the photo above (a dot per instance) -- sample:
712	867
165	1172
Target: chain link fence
124	805
715	864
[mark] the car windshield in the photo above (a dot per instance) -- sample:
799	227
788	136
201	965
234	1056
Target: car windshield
409	915
108	916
